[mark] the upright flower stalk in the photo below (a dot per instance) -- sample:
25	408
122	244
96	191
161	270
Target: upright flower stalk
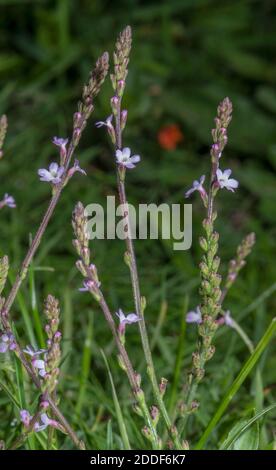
210	291
93	285
85	108
58	176
124	162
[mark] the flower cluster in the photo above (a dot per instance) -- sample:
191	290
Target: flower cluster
207	314
90	91
7	342
37	363
48	367
91	281
53	353
235	265
45	421
220	178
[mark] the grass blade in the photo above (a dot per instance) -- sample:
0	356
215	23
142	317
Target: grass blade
120	418
245	371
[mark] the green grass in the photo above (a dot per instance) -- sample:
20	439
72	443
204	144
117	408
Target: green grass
186	57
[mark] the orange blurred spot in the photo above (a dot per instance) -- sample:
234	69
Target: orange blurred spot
170	136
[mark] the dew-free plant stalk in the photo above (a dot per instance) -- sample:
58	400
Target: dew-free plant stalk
44	373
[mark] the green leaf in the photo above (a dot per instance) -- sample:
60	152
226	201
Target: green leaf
245	434
249	440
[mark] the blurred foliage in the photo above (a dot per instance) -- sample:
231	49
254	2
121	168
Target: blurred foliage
187	56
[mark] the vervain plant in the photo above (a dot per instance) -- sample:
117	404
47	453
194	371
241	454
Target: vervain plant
161	428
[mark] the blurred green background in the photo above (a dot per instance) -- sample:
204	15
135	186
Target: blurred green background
187	56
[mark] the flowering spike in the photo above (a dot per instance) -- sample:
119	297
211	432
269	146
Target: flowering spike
4	269
3	132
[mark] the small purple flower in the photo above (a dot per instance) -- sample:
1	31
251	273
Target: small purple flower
32	352
45	423
107	122
126	319
197	186
40	365
88	285
125	159
53	175
224	181
25	417
59	142
9	201
7	342
228	320
194	316
75	168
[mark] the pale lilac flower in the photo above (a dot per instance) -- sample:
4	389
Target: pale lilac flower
125	159
228	320
75	168
197	186
127	319
53	175
45	423
40	365
25	417
89	284
9	201
194	316
32	352
106	123
224	181
59	142
7	342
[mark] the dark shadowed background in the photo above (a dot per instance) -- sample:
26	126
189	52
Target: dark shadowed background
187	56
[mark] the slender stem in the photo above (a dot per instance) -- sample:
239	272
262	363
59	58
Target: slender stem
136	287
79	444
138	394
39	234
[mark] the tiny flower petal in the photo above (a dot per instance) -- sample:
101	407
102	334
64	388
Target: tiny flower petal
194	316
60	142
38	363
9	201
32	352
7	342
25	417
197	186
124	158
53	175
75	168
224	181
3	347
106	123
127	320
228	320
132	318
